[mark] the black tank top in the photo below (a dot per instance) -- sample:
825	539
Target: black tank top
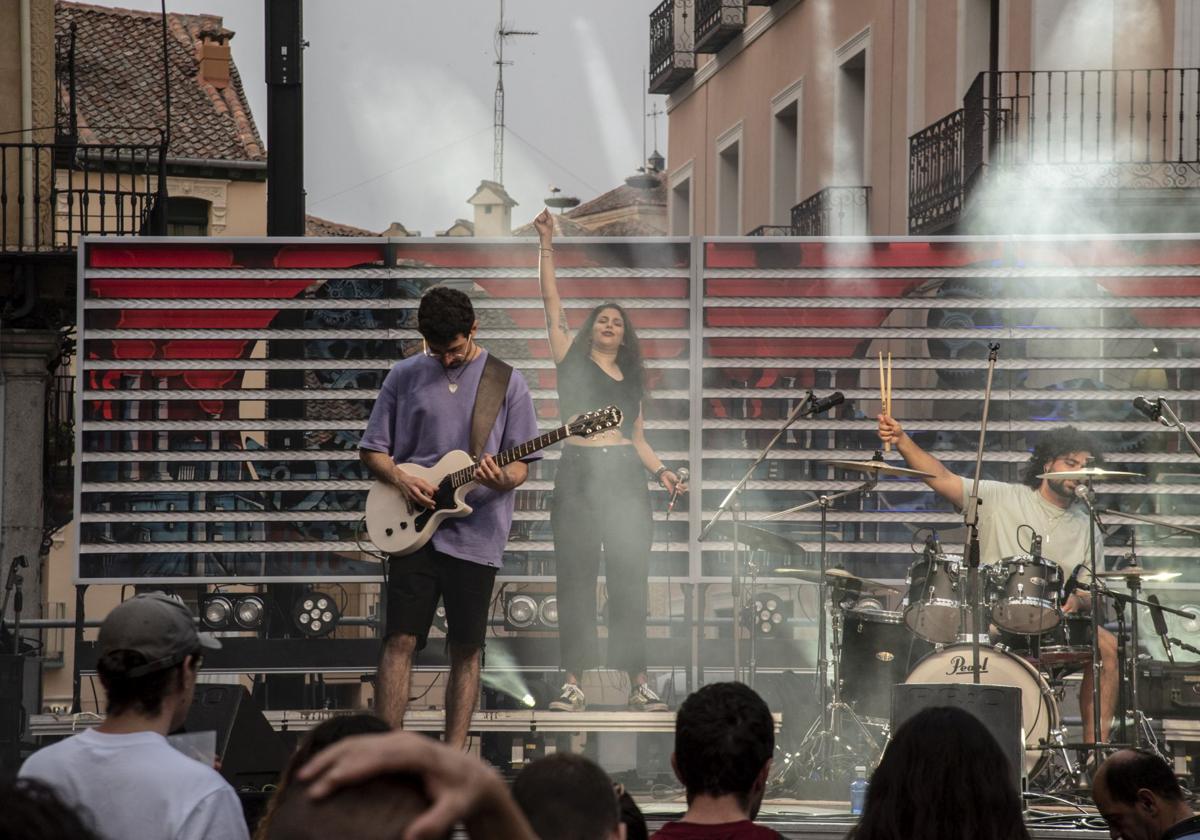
583	386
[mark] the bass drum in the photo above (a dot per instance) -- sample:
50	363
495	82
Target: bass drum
1039	709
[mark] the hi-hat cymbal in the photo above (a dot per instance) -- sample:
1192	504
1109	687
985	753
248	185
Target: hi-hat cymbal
1094	473
878	468
1138	572
758	539
834	577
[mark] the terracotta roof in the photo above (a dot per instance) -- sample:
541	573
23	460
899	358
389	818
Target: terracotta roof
629	227
563	226
316	226
624	196
119	90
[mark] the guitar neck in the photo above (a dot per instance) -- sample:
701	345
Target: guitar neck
524	450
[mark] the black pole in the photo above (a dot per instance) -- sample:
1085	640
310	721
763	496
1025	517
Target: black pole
993	73
285	118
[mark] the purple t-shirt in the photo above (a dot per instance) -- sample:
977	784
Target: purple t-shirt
417	420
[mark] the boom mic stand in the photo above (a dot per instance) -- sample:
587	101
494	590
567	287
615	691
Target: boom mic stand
971	520
1169	417
731	504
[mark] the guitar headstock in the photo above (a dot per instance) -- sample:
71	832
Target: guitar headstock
591	422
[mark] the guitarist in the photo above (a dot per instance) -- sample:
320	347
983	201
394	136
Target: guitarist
425	410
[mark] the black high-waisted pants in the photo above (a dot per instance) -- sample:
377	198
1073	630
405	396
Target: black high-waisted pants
601	509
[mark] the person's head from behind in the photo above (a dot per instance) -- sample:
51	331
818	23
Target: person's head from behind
446	321
1138	795
724	739
379	808
149	654
34	810
942	776
607	328
323	735
568	797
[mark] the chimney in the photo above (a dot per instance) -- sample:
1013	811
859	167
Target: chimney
214	58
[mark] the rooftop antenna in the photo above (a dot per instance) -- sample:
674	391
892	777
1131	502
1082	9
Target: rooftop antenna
502	35
644	180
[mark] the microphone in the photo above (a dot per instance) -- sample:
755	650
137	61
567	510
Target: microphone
1152	410
1160	625
933	545
826	403
1072	582
1035	548
683	474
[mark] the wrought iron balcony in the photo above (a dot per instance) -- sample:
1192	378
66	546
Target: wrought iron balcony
1057	129
718	22
53	193
834	211
672	59
773	230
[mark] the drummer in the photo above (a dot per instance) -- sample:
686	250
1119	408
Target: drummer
1050	508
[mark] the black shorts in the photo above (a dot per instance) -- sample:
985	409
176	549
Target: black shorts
416	582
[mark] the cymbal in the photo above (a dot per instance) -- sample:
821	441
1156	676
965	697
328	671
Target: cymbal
1095	473
1138	572
834	577
758	539
878	468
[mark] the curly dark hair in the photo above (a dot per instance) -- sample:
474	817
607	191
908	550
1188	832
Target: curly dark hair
444	315
1055	444
34	809
629	354
724	736
942	777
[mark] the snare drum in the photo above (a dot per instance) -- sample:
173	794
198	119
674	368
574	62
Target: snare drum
1039	709
1067	644
1023	594
933	606
877	650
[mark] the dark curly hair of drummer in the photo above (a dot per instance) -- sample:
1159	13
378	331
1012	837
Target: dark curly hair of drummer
942	777
1056	444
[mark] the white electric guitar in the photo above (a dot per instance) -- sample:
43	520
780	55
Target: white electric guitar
400	527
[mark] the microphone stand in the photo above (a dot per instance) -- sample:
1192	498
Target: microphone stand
731	504
1173	419
971	520
1088	497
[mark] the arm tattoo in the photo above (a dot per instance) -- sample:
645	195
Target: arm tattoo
562	321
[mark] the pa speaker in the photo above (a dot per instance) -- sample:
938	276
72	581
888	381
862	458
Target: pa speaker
251	753
997	707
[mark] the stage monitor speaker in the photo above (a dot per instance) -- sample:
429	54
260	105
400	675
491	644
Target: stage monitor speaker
997	707
252	754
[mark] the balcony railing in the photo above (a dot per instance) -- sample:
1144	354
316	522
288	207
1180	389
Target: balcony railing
672	59
773	230
53	193
58	453
718	22
1068	129
834	211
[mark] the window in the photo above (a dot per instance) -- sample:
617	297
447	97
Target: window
851	143
785	154
187	217
729	182
679	201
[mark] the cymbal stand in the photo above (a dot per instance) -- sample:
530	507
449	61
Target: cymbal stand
825	732
1088	497
731	503
971	520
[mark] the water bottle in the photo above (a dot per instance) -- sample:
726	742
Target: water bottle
858	790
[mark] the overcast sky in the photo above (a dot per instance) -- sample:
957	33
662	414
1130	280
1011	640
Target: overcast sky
398	101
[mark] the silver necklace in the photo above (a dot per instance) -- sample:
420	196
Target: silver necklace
453	383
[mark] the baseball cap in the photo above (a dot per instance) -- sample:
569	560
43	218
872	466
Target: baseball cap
157	626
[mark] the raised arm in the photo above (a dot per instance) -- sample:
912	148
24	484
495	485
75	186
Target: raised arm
556	317
945	483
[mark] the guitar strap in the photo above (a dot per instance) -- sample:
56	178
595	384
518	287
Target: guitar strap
493	385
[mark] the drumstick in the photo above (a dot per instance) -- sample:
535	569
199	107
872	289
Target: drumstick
883	397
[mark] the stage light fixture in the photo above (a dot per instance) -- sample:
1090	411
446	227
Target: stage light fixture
520	611
249	612
216	612
316	614
548	611
768	614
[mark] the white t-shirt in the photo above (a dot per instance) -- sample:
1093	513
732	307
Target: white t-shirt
1005	507
139	786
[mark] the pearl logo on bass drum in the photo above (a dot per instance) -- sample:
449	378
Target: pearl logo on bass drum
958	665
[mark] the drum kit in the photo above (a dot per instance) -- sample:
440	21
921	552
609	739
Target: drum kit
1031	642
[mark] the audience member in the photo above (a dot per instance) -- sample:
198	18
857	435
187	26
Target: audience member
724	738
124	772
942	777
327	732
568	797
1137	794
378	808
459	786
33	811
631	816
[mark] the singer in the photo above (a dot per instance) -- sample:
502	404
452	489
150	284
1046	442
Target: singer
1050	508
601	504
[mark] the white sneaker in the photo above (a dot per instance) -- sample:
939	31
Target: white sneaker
643	699
571	699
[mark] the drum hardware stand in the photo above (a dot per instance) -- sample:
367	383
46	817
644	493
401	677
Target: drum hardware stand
971	520
731	504
826	730
1087	495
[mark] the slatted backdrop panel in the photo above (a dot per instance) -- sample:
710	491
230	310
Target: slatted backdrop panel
225	386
